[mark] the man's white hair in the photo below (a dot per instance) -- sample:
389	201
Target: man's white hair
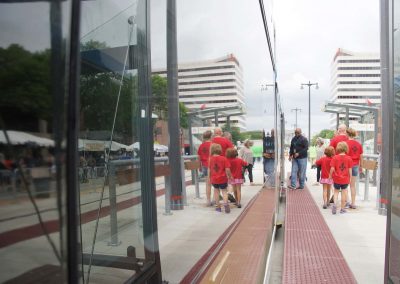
342	128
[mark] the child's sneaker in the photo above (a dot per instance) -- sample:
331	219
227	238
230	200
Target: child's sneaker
347	205
324	206
342	211
227	208
218	209
239	205
352	206
333	209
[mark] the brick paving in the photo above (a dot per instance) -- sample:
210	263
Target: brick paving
311	254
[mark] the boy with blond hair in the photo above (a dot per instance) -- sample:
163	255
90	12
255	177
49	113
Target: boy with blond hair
219	174
341	167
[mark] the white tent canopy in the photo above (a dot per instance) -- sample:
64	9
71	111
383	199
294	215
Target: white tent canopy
99	145
19	137
157	147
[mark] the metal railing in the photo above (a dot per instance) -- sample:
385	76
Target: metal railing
115	164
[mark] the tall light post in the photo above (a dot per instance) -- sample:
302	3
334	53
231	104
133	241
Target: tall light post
309	84
264	88
296	110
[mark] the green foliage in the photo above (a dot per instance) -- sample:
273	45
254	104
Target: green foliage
93	44
326	133
159	87
25	81
99	95
253	135
235	132
183	116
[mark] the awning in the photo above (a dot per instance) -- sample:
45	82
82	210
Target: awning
157	147
19	138
99	145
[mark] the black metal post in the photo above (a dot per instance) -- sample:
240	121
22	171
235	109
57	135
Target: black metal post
173	109
228	123
337	120
309	112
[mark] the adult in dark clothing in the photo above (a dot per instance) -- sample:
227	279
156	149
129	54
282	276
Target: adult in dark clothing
298	156
269	156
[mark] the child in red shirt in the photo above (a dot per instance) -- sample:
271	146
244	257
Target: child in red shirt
204	155
237	165
341	167
219	173
325	164
355	153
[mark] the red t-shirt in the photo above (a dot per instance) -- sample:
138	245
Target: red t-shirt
218	164
237	165
325	164
355	150
339	138
204	152
341	164
224	142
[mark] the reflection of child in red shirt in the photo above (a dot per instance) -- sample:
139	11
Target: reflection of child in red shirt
237	173
325	164
204	156
219	174
341	166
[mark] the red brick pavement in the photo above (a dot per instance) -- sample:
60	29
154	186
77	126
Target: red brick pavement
311	254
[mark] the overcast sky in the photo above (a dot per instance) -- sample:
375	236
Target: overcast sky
308	33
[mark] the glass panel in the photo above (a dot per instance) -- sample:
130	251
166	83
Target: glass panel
110	174
33	47
394	257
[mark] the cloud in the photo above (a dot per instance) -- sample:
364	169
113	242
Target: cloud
308	33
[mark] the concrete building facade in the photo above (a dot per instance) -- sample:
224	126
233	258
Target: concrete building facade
355	79
211	84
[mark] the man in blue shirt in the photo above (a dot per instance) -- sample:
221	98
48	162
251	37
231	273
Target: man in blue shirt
298	156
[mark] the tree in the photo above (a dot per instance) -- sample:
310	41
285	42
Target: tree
235	132
253	135
326	133
159	87
25	82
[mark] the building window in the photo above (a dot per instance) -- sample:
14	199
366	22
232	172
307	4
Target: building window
360	68
360	61
359	90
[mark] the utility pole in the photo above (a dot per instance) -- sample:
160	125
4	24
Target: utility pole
265	88
309	84
296	110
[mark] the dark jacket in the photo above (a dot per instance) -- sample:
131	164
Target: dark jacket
299	145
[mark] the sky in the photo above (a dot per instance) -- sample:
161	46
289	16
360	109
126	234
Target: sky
308	33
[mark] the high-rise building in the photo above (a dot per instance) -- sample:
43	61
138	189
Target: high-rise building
355	79
211	84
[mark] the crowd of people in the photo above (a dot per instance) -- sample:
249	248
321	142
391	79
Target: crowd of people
338	165
224	168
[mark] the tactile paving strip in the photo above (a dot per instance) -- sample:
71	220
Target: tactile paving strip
311	254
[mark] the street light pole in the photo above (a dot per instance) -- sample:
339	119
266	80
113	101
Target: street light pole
309	84
264	88
296	110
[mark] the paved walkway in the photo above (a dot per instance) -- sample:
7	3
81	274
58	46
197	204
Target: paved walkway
360	233
311	254
188	234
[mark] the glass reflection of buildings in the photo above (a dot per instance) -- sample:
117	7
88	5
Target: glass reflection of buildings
55	197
